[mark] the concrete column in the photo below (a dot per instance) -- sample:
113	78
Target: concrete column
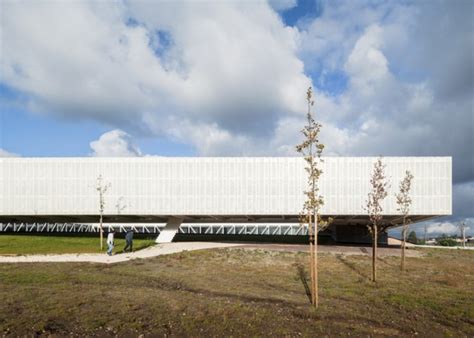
169	231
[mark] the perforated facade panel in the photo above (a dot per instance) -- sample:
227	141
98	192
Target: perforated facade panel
212	186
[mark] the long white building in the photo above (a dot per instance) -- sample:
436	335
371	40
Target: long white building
219	190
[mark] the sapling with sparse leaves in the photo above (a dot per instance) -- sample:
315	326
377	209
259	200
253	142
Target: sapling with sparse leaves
120	205
404	203
101	189
379	186
311	149
462	227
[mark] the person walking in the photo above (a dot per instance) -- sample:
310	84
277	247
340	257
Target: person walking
129	240
110	241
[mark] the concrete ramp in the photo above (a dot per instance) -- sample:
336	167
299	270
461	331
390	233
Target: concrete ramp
169	231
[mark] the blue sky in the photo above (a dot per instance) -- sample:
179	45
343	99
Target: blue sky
130	78
20	122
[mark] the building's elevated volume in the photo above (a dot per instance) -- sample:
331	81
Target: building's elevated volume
213	190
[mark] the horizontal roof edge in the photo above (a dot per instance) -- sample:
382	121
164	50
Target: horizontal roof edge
89	158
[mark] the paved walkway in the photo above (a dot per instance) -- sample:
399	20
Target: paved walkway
445	247
156	250
170	248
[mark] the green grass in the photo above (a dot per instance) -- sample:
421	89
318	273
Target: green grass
40	244
237	292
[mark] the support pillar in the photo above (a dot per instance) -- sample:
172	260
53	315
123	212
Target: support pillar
169	231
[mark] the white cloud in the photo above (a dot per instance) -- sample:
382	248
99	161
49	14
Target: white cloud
232	66
5	153
393	103
282	5
327	40
114	143
366	65
444	228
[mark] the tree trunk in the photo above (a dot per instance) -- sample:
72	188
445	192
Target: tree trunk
316	286
311	262
404	239
463	236
311	257
374	253
101	233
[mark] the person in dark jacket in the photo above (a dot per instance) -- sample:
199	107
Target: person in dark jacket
129	240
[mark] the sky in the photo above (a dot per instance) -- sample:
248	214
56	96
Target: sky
214	78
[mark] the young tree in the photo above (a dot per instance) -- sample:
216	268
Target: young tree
311	149
462	227
120	205
425	234
404	203
102	189
377	194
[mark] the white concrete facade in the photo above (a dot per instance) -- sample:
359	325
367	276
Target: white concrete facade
199	186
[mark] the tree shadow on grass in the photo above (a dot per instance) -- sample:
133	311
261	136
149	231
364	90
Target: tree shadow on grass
352	266
303	275
158	283
383	260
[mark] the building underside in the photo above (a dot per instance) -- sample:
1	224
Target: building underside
343	229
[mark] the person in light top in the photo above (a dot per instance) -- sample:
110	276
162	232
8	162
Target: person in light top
110	242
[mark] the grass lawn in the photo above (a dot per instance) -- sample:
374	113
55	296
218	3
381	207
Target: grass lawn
241	292
30	244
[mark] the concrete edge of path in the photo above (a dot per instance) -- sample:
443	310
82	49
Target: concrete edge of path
443	247
156	250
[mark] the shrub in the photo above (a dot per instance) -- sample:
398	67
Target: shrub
446	241
412	237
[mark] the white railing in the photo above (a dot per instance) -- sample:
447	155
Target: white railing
189	228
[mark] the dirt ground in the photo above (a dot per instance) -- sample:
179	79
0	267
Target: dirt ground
241	292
